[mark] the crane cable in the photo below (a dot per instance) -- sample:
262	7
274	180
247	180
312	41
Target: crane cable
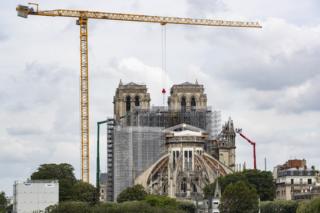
164	59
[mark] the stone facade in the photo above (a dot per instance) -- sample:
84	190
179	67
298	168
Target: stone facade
223	147
187	96
186	168
129	97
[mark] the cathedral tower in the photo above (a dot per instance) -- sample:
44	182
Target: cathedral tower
130	97
187	97
226	144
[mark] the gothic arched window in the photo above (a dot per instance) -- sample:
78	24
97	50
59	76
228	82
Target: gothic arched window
128	103
193	103
183	104
137	101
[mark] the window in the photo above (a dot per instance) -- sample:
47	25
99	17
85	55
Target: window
190	160
292	181
183	104
137	101
183	187
309	181
128	103
193	103
194	187
187	160
174	159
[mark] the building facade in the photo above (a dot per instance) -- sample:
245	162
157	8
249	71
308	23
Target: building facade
294	178
34	196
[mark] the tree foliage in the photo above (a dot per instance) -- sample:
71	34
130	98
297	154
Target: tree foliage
239	198
160	201
69	187
188	207
62	172
3	202
54	171
125	207
262	181
85	192
69	207
309	206
169	203
135	192
279	206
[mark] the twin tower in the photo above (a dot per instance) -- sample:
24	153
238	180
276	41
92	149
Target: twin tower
183	97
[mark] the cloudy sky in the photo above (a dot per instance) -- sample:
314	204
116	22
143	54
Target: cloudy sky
267	80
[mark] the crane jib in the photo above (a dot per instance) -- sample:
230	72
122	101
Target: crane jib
24	11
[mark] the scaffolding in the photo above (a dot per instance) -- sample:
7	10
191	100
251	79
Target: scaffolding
216	123
110	160
164	117
135	149
137	140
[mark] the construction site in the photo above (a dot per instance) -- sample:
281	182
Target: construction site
137	134
174	149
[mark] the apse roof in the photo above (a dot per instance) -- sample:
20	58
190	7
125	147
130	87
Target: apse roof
184	127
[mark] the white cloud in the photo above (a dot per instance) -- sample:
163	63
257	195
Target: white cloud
267	79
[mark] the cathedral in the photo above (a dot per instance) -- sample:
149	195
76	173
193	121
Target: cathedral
170	150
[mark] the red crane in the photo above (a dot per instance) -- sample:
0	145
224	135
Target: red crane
239	131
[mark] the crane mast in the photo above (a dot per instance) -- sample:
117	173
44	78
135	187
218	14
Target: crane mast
84	99
82	20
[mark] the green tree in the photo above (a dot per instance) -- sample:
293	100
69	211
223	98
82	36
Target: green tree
62	172
69	207
3	202
186	206
224	181
279	206
262	181
309	206
135	192
125	207
160	201
239	198
84	192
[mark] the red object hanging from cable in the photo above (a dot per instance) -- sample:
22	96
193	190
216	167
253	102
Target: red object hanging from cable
164	61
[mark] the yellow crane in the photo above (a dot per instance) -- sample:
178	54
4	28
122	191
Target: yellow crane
82	17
